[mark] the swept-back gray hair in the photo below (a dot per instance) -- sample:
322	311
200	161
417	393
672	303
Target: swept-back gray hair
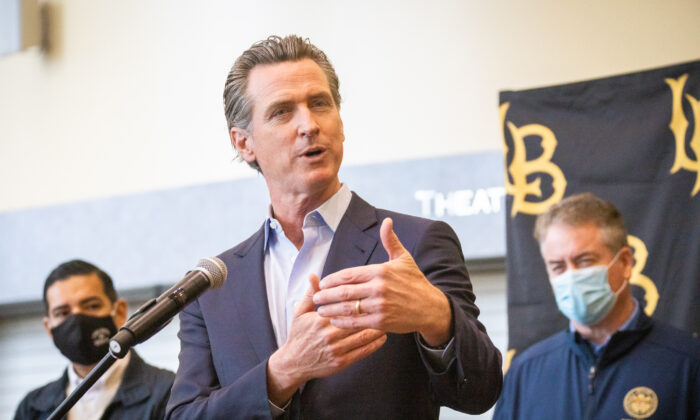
274	49
584	208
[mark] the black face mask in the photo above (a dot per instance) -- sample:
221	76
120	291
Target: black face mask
84	339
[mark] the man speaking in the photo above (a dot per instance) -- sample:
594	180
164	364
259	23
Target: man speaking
333	308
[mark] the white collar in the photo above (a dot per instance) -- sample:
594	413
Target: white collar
113	375
331	211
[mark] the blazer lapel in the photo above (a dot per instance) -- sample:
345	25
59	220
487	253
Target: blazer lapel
250	295
352	243
352	246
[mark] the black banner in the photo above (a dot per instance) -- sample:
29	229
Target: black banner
632	139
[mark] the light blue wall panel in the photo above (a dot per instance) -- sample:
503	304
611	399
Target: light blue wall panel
154	238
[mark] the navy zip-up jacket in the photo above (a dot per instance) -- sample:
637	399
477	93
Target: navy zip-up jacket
648	371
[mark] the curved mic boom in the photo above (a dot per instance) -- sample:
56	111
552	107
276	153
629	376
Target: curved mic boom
157	313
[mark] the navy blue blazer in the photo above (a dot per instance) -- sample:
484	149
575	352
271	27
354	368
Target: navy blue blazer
226	337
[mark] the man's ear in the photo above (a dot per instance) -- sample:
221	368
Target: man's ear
119	313
46	326
242	142
627	257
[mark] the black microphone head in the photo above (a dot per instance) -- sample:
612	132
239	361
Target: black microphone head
214	269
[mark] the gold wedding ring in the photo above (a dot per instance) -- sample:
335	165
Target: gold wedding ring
357	307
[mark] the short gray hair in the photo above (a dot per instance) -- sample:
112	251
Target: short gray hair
274	49
584	208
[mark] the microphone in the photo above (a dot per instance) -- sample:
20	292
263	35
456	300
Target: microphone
157	313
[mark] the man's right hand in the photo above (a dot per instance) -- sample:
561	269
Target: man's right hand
315	349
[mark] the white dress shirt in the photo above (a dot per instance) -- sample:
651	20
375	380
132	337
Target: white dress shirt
94	402
287	269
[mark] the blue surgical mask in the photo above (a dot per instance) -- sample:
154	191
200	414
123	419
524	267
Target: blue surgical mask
584	294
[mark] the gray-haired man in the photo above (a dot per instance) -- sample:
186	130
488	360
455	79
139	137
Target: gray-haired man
613	361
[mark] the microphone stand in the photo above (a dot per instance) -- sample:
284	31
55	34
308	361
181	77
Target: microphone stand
83	387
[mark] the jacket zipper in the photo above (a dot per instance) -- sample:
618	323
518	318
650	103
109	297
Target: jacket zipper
591	390
591	376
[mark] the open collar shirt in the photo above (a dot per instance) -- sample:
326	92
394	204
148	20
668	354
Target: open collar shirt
94	402
287	269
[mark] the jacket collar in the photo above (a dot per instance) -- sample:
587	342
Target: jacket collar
131	390
352	244
51	395
250	294
620	342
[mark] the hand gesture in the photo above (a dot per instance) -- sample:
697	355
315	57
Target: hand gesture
315	349
393	296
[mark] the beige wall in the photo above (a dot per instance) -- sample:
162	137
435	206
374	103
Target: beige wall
129	97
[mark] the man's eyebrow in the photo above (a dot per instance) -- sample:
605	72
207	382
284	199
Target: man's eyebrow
558	261
89	299
277	104
322	94
84	301
59	308
575	258
586	254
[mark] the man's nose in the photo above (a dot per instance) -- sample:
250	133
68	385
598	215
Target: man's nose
306	123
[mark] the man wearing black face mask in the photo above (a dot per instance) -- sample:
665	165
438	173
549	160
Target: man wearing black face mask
82	313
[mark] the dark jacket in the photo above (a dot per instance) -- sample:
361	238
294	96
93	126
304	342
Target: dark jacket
649	371
226	337
143	393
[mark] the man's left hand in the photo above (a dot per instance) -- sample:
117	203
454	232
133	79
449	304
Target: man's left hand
393	296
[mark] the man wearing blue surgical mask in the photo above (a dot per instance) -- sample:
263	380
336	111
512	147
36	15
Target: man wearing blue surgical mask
590	278
82	313
613	361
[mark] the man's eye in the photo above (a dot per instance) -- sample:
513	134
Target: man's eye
321	103
557	269
279	112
